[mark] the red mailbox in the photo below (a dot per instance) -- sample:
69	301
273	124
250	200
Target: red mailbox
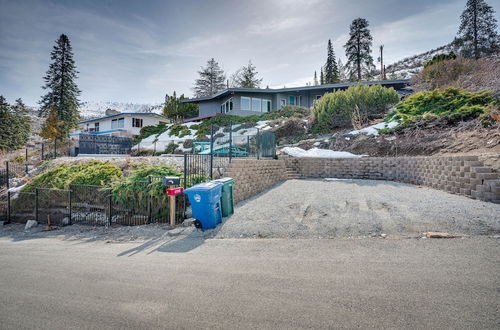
175	191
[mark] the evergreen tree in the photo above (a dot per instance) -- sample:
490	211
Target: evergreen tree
52	128
477	35
60	82
174	108
315	78
331	75
246	77
358	49
321	78
14	125
212	80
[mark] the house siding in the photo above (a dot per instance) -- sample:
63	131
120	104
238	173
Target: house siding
128	130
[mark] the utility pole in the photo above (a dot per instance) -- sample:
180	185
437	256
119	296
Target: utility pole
382	67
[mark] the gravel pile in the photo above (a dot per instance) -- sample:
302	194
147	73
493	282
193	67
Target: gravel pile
357	208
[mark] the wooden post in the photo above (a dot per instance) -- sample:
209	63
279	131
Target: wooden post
172	209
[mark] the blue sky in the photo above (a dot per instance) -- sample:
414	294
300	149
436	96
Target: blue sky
136	51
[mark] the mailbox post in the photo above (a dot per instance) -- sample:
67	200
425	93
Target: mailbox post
172	191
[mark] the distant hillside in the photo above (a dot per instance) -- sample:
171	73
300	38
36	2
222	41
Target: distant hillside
410	66
97	109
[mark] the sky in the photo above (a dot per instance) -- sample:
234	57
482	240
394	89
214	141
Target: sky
137	51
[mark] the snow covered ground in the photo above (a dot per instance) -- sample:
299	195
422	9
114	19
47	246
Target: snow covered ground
373	129
318	153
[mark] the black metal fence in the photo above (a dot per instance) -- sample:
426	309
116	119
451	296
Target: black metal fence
101	144
93	205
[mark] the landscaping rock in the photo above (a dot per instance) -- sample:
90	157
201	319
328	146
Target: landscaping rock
65	221
188	222
30	224
1	223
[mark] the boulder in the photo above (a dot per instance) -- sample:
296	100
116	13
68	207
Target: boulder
30	224
188	222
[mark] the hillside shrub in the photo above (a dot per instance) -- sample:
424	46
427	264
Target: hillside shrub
336	109
151	130
452	103
91	173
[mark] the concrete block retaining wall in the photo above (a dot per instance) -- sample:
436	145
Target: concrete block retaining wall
253	176
464	175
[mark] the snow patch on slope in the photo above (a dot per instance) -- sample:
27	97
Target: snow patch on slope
318	153
373	129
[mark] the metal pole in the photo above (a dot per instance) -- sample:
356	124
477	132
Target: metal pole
185	171
258	144
248	145
8	206
36	204
149	200
26	162
110	209
70	206
42	152
7	174
230	141
211	150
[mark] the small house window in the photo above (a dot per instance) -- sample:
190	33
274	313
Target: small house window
282	103
136	122
96	125
118	123
266	105
291	100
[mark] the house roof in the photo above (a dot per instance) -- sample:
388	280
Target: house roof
121	115
391	83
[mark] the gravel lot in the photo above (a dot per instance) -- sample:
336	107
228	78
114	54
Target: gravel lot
357	208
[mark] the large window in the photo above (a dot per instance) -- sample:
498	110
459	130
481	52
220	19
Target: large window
227	106
245	103
118	123
136	122
256	104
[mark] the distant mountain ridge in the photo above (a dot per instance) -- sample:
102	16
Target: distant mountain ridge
98	109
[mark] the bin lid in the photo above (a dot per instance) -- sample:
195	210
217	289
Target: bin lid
224	180
207	186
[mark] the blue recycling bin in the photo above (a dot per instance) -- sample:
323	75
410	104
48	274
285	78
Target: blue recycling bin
205	203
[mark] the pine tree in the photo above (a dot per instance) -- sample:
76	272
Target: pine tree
212	79
343	75
14	125
321	78
315	79
477	35
52	128
174	108
246	77
331	75
358	49
62	89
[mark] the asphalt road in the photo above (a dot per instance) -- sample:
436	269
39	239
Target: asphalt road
191	283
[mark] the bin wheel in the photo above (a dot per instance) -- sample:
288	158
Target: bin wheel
197	224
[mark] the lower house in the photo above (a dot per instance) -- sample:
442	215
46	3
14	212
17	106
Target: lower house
122	124
250	101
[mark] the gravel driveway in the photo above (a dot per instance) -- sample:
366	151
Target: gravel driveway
356	208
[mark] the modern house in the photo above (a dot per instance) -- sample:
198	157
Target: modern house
249	101
121	124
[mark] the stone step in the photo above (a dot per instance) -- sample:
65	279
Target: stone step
481	169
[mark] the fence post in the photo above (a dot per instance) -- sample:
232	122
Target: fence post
8	206
230	141
211	150
149	200
55	148
36	204
258	144
42	152
248	145
110	209
70	206
7	173
185	171
26	162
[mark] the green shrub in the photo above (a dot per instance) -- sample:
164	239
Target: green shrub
336	109
452	103
171	148
91	173
179	130
151	130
